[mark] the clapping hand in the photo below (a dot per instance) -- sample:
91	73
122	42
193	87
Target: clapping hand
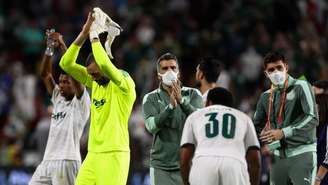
87	24
176	90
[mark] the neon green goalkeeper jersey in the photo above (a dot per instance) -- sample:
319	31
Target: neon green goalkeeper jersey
111	103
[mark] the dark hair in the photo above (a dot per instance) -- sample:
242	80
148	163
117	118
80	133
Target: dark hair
61	71
322	84
220	96
273	57
322	101
211	69
89	59
166	56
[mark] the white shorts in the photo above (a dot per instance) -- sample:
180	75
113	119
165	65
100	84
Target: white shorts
211	170
57	172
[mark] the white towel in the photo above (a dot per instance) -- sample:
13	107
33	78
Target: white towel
103	23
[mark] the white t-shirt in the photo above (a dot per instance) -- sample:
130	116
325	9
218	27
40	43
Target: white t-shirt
67	123
220	131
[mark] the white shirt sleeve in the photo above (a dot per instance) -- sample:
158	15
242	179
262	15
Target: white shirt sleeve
55	94
188	136
251	137
84	104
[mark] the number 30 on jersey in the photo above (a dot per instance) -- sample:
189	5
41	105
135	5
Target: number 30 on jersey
228	125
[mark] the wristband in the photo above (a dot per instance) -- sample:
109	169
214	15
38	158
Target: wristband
93	35
318	178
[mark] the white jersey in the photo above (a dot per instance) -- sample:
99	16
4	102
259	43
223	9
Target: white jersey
220	131
67	123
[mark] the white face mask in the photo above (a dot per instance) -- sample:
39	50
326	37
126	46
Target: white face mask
168	77
277	77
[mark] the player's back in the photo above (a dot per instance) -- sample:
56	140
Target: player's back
221	131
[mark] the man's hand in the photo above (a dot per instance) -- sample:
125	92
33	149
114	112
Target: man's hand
55	40
86	27
176	90
84	34
317	182
271	135
173	100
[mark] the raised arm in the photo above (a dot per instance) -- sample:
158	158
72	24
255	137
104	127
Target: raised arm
68	60
107	67
54	40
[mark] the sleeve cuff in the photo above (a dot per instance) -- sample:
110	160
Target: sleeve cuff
97	43
288	131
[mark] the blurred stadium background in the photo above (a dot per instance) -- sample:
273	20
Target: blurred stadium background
237	32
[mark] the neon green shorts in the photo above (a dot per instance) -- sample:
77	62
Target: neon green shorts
108	168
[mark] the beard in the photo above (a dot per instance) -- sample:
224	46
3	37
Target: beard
102	81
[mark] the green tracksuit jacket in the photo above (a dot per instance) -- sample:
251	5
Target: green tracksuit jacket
166	124
300	117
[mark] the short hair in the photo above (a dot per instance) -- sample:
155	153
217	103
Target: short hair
210	68
62	72
166	56
220	96
273	57
322	101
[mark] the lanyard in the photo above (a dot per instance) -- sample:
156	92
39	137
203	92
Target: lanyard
281	106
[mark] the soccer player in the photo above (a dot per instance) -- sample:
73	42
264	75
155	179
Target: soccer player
218	138
71	110
113	95
207	73
286	118
165	111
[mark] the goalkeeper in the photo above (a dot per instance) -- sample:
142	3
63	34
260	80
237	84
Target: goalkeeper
113	95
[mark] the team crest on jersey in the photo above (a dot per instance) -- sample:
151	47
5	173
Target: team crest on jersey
99	103
58	115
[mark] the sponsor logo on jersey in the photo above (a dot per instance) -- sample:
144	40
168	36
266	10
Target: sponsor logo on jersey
99	103
58	115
